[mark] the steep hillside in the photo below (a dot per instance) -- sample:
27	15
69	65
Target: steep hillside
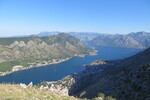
126	79
16	92
132	40
25	51
143	38
24	92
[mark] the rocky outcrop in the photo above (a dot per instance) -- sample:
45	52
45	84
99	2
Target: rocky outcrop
16	43
61	86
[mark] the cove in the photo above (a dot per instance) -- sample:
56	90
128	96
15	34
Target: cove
55	72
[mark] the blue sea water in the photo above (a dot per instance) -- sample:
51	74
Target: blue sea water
55	72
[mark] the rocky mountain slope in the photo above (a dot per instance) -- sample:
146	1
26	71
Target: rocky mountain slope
25	50
143	38
126	79
132	40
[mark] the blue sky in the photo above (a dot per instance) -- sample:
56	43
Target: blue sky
21	17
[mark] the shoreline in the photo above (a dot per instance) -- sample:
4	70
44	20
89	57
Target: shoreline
54	61
31	66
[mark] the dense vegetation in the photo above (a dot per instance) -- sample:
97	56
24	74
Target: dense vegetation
7	66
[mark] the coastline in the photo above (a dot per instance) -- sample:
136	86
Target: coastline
53	61
31	66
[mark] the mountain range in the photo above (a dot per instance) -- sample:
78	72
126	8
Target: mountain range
84	36
25	50
131	40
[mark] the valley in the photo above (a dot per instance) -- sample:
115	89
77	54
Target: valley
74	49
76	73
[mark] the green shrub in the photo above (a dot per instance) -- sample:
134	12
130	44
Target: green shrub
102	95
109	98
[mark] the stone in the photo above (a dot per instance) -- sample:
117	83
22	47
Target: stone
23	85
30	84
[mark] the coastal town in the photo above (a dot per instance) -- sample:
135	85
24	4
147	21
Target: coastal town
43	63
34	64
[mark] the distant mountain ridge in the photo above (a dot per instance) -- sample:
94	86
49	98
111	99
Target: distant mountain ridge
46	33
131	40
84	36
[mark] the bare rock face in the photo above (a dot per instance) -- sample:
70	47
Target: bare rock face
23	85
5	56
30	84
16	43
61	86
22	44
55	87
43	44
31	43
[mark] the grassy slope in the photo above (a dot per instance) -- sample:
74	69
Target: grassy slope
16	92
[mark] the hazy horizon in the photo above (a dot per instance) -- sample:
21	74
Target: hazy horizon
22	35
28	17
